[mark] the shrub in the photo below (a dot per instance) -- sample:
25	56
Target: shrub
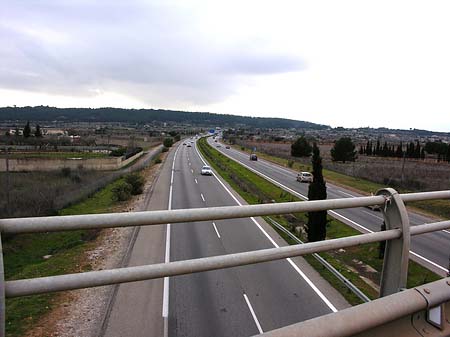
290	163
122	191
118	153
168	142
136	181
165	149
158	160
76	178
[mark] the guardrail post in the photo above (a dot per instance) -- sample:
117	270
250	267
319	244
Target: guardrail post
396	256
2	292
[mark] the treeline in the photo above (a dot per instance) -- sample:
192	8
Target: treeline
46	113
411	150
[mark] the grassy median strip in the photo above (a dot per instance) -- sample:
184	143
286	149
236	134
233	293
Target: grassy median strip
360	264
48	254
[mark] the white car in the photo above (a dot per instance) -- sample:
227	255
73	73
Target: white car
305	177
206	171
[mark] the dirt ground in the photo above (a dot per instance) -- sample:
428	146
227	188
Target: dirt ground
80	312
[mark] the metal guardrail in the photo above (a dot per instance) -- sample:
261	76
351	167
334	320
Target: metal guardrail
395	267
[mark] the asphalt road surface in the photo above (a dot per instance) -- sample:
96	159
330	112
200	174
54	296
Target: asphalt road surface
241	301
431	250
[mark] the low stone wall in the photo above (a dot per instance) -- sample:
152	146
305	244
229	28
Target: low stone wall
46	164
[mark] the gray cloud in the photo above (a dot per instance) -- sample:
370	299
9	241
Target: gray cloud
154	52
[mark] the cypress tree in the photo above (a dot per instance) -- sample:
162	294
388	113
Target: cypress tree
38	132
317	190
27	130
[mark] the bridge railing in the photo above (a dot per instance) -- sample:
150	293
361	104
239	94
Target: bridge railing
397	234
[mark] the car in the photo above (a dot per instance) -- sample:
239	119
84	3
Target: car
218	145
189	145
206	171
184	143
253	157
305	177
215	141
227	147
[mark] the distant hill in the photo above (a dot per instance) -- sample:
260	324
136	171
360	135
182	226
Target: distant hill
45	113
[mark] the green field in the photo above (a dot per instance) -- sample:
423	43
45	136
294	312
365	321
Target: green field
353	263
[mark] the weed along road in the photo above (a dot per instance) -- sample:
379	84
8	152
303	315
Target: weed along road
241	301
431	250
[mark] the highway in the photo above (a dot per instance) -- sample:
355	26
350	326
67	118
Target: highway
431	250
240	301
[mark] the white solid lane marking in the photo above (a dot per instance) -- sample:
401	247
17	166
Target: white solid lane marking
215	228
203	198
165	307
253	314
196	180
331	212
316	290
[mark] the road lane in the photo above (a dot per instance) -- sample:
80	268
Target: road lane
213	303
431	250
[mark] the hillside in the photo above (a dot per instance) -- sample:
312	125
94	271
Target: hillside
45	113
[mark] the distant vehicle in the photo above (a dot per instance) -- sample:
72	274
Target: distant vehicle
189	145
305	177
218	145
206	171
253	157
215	141
227	147
184	143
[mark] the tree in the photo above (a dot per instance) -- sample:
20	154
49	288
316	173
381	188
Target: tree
38	132
301	148
317	190
27	130
343	150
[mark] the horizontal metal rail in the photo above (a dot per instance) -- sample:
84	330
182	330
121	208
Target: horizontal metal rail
130	274
109	220
346	282
358	319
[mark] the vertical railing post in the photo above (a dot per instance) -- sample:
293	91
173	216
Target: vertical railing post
2	292
396	256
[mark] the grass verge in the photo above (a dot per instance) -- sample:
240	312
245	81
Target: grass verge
360	264
48	254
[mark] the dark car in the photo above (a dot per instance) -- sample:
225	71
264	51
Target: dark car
253	157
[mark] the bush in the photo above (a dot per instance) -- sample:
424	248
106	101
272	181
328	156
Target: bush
122	191
118	153
165	149
158	160
136	181
290	163
76	178
168	142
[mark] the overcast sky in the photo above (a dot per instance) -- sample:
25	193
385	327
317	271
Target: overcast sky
342	63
